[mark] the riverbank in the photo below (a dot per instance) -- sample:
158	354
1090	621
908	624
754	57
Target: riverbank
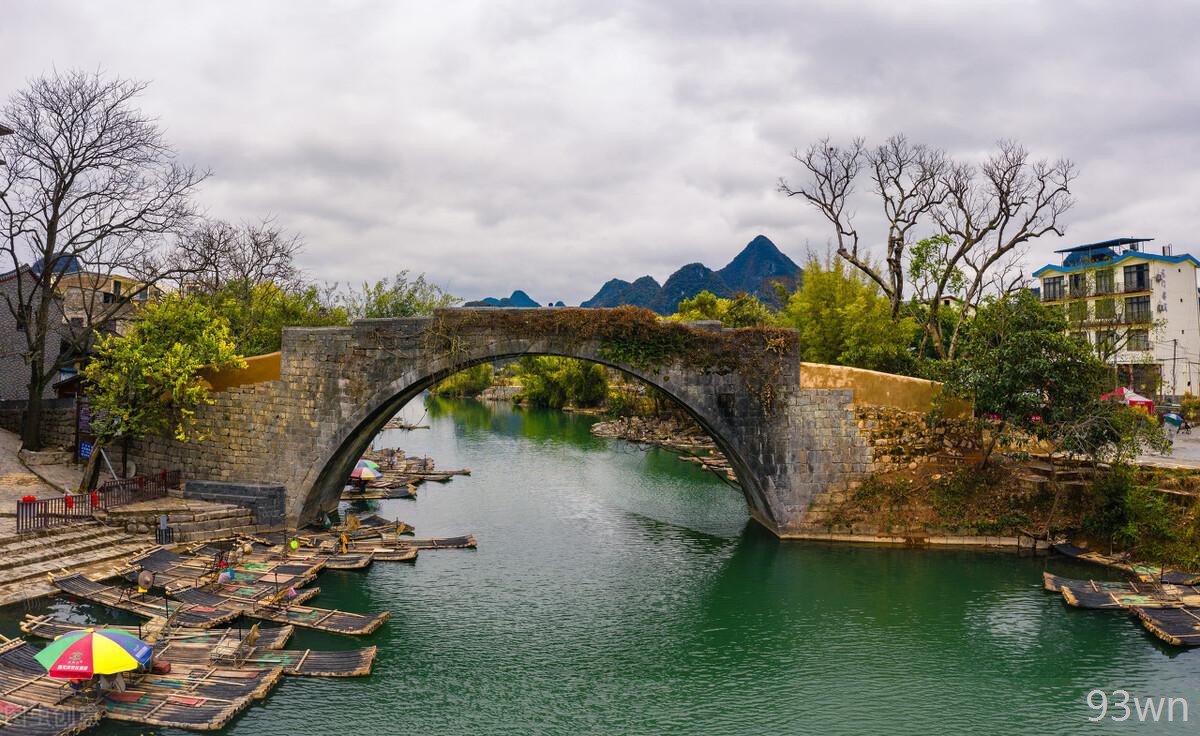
677	434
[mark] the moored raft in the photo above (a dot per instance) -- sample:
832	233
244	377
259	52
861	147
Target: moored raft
1179	626
248	655
465	541
1143	572
145	604
349	561
322	619
1113	595
157	631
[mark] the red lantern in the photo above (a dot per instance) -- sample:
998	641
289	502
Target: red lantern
95	498
28	499
70	502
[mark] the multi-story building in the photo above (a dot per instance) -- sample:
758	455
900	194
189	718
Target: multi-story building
1140	310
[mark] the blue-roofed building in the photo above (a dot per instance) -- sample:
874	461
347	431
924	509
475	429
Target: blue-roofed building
1139	308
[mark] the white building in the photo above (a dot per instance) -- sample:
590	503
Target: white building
1139	309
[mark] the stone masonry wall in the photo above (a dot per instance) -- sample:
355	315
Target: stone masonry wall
58	422
904	439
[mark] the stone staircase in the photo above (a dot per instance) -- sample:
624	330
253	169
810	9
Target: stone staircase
89	548
192	520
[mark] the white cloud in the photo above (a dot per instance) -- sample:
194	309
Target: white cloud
550	146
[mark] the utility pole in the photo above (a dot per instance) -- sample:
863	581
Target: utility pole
1174	353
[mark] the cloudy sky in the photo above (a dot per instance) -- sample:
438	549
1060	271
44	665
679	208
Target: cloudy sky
549	146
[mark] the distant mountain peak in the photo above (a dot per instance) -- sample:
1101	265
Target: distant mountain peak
753	271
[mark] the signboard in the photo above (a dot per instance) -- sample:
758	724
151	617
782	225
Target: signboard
85	450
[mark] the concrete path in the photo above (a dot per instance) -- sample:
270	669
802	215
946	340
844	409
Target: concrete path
15	482
1184	454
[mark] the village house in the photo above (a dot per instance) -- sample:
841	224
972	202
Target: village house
1139	309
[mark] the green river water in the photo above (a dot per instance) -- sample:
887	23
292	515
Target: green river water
621	591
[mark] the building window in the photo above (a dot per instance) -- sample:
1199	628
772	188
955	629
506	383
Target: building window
1138	340
117	289
1052	288
1106	342
1079	285
1104	281
1077	311
1106	309
1137	278
1137	309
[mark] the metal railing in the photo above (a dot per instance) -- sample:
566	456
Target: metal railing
123	491
44	513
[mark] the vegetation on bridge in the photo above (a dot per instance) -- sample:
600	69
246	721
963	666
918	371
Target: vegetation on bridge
630	337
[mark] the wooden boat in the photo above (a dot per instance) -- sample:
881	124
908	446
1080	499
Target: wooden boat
145	604
349	561
406	491
1177	626
288	612
466	541
1145	573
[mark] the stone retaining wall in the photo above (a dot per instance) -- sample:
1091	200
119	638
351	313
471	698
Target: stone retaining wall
58	421
266	501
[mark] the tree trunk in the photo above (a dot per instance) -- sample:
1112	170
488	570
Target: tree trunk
31	427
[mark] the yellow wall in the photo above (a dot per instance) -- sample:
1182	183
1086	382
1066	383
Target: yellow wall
258	368
872	388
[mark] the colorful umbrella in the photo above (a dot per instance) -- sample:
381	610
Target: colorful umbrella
365	473
365	463
81	654
1173	418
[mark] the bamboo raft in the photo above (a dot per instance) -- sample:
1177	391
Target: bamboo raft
198	698
1135	596
1143	572
321	619
32	704
144	604
175	572
380	493
157	631
349	561
296	662
1176	626
465	541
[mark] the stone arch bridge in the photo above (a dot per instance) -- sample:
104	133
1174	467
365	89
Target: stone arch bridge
792	430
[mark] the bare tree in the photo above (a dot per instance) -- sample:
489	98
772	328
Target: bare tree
991	211
982	214
216	253
907	178
90	187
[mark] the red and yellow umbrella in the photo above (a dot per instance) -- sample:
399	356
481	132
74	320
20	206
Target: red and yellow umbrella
81	654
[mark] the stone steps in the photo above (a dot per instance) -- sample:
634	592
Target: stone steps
88	548
212	534
61	548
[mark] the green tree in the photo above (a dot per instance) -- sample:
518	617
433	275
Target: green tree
557	382
844	319
257	313
743	310
467	382
398	296
1029	378
148	381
